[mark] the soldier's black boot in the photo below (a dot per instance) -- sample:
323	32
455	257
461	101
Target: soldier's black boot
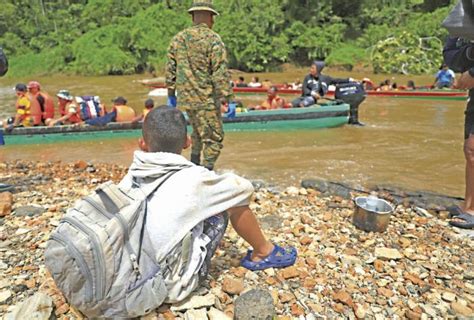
354	118
196	159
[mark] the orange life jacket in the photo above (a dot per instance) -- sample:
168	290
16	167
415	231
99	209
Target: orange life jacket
35	110
124	113
48	107
46	104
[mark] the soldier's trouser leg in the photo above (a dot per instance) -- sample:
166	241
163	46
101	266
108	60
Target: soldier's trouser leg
196	146
211	134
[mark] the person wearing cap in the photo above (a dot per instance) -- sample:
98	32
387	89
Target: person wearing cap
149	105
197	70
68	110
23	107
45	102
121	112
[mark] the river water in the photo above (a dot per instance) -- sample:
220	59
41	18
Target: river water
414	144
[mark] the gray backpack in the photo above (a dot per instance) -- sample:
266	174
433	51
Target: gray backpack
101	257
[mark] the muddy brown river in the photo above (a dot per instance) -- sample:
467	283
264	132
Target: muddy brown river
415	144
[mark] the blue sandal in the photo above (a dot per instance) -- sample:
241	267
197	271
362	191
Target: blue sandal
278	258
5	187
465	221
454	211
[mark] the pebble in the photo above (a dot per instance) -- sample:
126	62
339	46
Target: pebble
461	309
215	314
232	286
387	254
195	302
199	314
449	296
5	295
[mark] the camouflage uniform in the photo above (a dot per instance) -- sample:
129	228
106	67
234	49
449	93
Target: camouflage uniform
197	70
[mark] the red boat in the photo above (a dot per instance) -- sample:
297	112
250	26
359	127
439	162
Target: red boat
424	93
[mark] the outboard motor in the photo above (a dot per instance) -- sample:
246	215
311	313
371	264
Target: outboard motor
352	93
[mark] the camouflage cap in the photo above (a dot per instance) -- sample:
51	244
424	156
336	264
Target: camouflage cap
203	5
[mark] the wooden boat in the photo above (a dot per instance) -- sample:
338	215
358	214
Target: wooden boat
425	93
327	115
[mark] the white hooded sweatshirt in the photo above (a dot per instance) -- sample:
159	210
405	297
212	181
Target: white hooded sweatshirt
185	200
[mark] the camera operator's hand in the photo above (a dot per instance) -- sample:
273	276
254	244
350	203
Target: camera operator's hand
466	81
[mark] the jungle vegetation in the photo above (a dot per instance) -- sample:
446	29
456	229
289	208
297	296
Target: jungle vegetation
108	37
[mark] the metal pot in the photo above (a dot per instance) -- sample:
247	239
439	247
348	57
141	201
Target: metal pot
372	219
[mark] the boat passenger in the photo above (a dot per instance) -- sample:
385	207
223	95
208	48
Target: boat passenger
385	86
149	105
23	116
394	86
273	101
367	84
297	85
240	83
45	102
121	112
444	77
231	108
254	83
68	109
266	84
315	85
410	85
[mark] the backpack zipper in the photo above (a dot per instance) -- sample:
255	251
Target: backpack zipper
98	253
76	255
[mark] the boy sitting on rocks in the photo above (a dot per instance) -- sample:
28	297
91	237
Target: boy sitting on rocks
188	214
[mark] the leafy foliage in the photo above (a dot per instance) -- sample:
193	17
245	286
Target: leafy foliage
122	37
407	54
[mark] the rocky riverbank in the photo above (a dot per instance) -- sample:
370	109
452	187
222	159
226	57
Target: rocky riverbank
420	268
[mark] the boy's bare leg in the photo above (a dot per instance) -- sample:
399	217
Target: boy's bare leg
246	225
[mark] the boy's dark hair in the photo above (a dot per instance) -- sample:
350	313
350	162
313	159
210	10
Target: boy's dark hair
149	103
242	79
164	130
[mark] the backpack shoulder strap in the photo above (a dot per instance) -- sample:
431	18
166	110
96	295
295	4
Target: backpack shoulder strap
115	199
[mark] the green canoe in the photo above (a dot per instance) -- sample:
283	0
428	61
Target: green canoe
327	115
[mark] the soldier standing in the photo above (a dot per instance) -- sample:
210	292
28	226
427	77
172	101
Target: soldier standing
197	70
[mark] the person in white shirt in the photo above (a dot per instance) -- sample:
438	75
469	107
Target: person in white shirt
193	207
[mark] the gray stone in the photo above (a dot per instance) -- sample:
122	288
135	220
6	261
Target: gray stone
255	304
38	307
29	211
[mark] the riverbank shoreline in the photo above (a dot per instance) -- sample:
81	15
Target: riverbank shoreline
419	268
